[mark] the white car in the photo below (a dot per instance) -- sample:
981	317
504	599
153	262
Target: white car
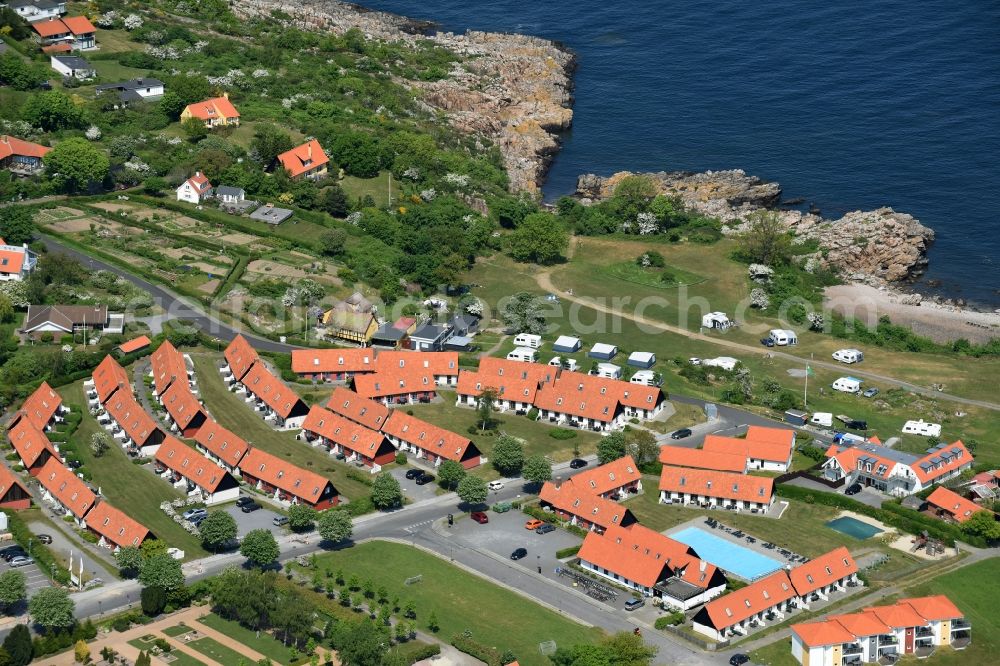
694	360
496	485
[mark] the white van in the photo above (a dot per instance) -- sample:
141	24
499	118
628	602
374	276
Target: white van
609	371
921	427
822	419
571	364
524	354
528	340
849	355
847	385
782	337
496	485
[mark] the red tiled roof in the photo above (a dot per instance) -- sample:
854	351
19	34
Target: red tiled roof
60	47
823	632
444	363
68	490
934	608
199	183
309	361
240	356
11	261
759	450
50	28
822	571
79	25
29	442
349	404
783	436
116	526
193	466
897	616
640	554
108	377
862	624
678	456
577	395
41	406
132	418
609	476
216	107
722	485
10	146
135	344
402	381
224	444
302	158
340	430
514	380
435	440
271	390
167	365
282	474
581	502
960	508
962	457
750	600
181	404
8	480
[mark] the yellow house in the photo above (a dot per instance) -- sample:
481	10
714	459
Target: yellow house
215	112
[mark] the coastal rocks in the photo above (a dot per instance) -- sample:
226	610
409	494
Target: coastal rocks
514	90
873	247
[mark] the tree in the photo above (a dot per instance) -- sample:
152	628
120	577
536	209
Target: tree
17	73
611	447
76	163
508	455
301	518
260	548
218	529
334	201
52	609
6	309
622	649
472	490
362	644
386	492
81	653
450	473
154	186
189	89
18	645
642	446
765	240
163	571
100	442
485	404
12	588
153	547
172	105
194	129
153	600
982	524
129	561
335	525
537	470
268	142
333	242
523	314
52	111
16	225
540	238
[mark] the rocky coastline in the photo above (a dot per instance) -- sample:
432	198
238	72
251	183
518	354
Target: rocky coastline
514	90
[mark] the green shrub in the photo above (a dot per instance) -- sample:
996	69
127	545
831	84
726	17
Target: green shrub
672	620
561	433
567	552
465	643
532	414
400	458
360	477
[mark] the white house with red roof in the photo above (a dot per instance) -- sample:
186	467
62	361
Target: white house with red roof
305	161
896	473
215	112
16	262
20	157
195	189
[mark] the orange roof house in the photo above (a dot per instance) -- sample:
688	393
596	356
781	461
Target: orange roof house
685	485
20	155
443	365
13	493
41	406
516	382
214	112
305	161
341	435
825	570
240	356
63	487
31	444
109	376
429	441
184	463
116	529
768	453
934	608
184	409
949	504
582	508
221	445
350	405
678	456
287	482
611	480
895	472
77	32
404	385
139	426
167	366
283	402
79	25
330	364
718	616
135	344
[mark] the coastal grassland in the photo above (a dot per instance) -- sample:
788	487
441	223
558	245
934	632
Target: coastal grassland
126	485
231	412
668	277
460	600
377	188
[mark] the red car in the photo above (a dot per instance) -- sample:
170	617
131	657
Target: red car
480	517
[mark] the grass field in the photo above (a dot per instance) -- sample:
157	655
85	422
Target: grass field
460	600
377	187
666	277
264	644
231	412
216	651
126	485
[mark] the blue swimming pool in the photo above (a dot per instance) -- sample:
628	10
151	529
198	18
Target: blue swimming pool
728	556
854	527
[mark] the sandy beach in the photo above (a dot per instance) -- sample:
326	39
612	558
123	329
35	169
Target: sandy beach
941	323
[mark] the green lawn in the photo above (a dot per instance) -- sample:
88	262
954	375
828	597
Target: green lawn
176	630
126	485
231	412
181	658
216	651
460	600
377	188
667	277
264	644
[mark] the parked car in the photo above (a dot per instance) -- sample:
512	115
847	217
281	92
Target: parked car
414	473
519	553
21	561
74	464
251	507
738	660
577	463
767	342
9	555
198	520
633	604
680	434
194	513
243	501
870	392
45	538
480	517
424	479
694	360
496	485
853	490
279	521
533	524
545	529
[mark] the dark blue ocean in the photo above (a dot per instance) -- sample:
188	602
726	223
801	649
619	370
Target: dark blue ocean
851	105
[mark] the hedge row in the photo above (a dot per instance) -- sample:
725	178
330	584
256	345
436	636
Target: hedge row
567	552
413	655
490	655
43	556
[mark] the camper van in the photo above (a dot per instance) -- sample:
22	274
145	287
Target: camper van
524	354
717	320
571	364
848	355
609	371
847	385
822	419
528	340
921	427
646	378
782	337
848	439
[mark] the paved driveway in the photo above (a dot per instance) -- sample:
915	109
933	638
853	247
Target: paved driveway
258	520
61	547
410	487
506	531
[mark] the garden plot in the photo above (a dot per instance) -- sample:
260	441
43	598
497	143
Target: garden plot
76	225
273	269
61	213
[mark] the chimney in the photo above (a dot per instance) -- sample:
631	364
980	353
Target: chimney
226	94
310	149
702	565
557	482
5	139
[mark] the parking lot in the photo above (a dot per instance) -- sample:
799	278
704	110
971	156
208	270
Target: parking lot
410	487
257	520
505	532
